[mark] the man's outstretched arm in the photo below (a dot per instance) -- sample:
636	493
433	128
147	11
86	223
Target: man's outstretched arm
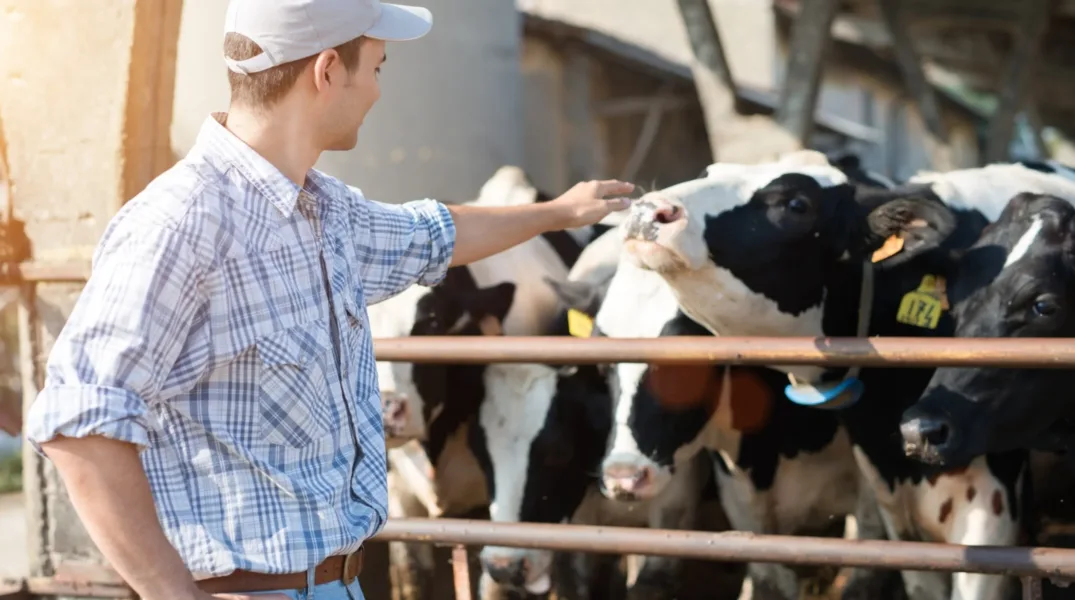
403	244
482	231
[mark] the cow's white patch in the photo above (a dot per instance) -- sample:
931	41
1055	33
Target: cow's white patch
638	304
517	402
988	189
808	492
1025	242
723	304
960	508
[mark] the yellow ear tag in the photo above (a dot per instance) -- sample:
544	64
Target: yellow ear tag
892	246
923	307
579	323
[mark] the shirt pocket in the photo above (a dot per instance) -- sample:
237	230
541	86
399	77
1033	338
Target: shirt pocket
296	371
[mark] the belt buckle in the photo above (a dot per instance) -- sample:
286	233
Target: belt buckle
347	564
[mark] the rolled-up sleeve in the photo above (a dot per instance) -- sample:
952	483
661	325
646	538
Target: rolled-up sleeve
398	245
122	339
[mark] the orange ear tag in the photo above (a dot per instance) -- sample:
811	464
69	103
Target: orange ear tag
891	247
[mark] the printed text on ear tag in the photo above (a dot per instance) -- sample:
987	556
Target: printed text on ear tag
579	324
891	247
923	307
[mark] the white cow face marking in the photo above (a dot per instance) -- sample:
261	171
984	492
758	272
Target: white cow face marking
544	433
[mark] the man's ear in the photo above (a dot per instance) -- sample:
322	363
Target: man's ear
920	223
579	295
322	67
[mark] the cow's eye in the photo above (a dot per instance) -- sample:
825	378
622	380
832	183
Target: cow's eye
1045	307
798	205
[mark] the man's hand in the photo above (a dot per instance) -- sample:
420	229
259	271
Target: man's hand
589	201
482	231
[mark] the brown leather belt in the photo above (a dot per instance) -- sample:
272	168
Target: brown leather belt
343	568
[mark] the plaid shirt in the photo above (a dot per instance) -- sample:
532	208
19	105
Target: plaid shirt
205	336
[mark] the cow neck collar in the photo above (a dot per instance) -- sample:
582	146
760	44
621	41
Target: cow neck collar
848	390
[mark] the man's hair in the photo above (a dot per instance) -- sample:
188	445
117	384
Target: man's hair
265	88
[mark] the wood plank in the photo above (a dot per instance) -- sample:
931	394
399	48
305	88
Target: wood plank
1017	77
712	75
650	128
894	15
911	67
810	41
732	137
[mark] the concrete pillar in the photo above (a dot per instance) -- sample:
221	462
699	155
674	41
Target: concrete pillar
450	112
84	103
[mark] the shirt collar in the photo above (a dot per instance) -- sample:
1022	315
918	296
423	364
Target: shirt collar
223	147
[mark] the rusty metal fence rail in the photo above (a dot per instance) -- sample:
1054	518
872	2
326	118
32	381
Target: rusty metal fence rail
1030	564
1044	353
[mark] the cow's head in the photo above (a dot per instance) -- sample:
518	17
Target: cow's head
749	249
413	394
660	412
1017	281
540	439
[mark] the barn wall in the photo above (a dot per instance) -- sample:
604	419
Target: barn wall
679	152
80	140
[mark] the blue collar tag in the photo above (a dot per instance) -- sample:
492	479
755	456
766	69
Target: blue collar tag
845	393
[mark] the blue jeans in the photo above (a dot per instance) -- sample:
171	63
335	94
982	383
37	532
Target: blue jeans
335	590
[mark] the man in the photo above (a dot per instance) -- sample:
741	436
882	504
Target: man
212	402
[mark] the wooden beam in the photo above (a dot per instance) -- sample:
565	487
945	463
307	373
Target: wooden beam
581	143
712	75
810	40
650	127
732	137
1017	77
634	105
911	67
1033	117
914	76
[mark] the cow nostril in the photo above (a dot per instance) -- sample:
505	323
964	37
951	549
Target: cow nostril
642	477
935	434
667	214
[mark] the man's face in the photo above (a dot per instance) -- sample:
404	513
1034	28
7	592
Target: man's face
346	104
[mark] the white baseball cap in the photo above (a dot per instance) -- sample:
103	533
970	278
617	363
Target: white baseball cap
287	30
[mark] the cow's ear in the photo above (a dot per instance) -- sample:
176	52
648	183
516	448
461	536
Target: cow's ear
495	300
582	296
917	223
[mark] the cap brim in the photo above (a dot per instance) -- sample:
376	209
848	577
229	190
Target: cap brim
400	23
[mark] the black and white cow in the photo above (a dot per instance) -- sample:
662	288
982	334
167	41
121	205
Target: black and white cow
781	249
782	468
503	294
539	433
1016	281
506	290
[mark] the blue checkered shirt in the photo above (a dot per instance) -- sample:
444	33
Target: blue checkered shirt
205	336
